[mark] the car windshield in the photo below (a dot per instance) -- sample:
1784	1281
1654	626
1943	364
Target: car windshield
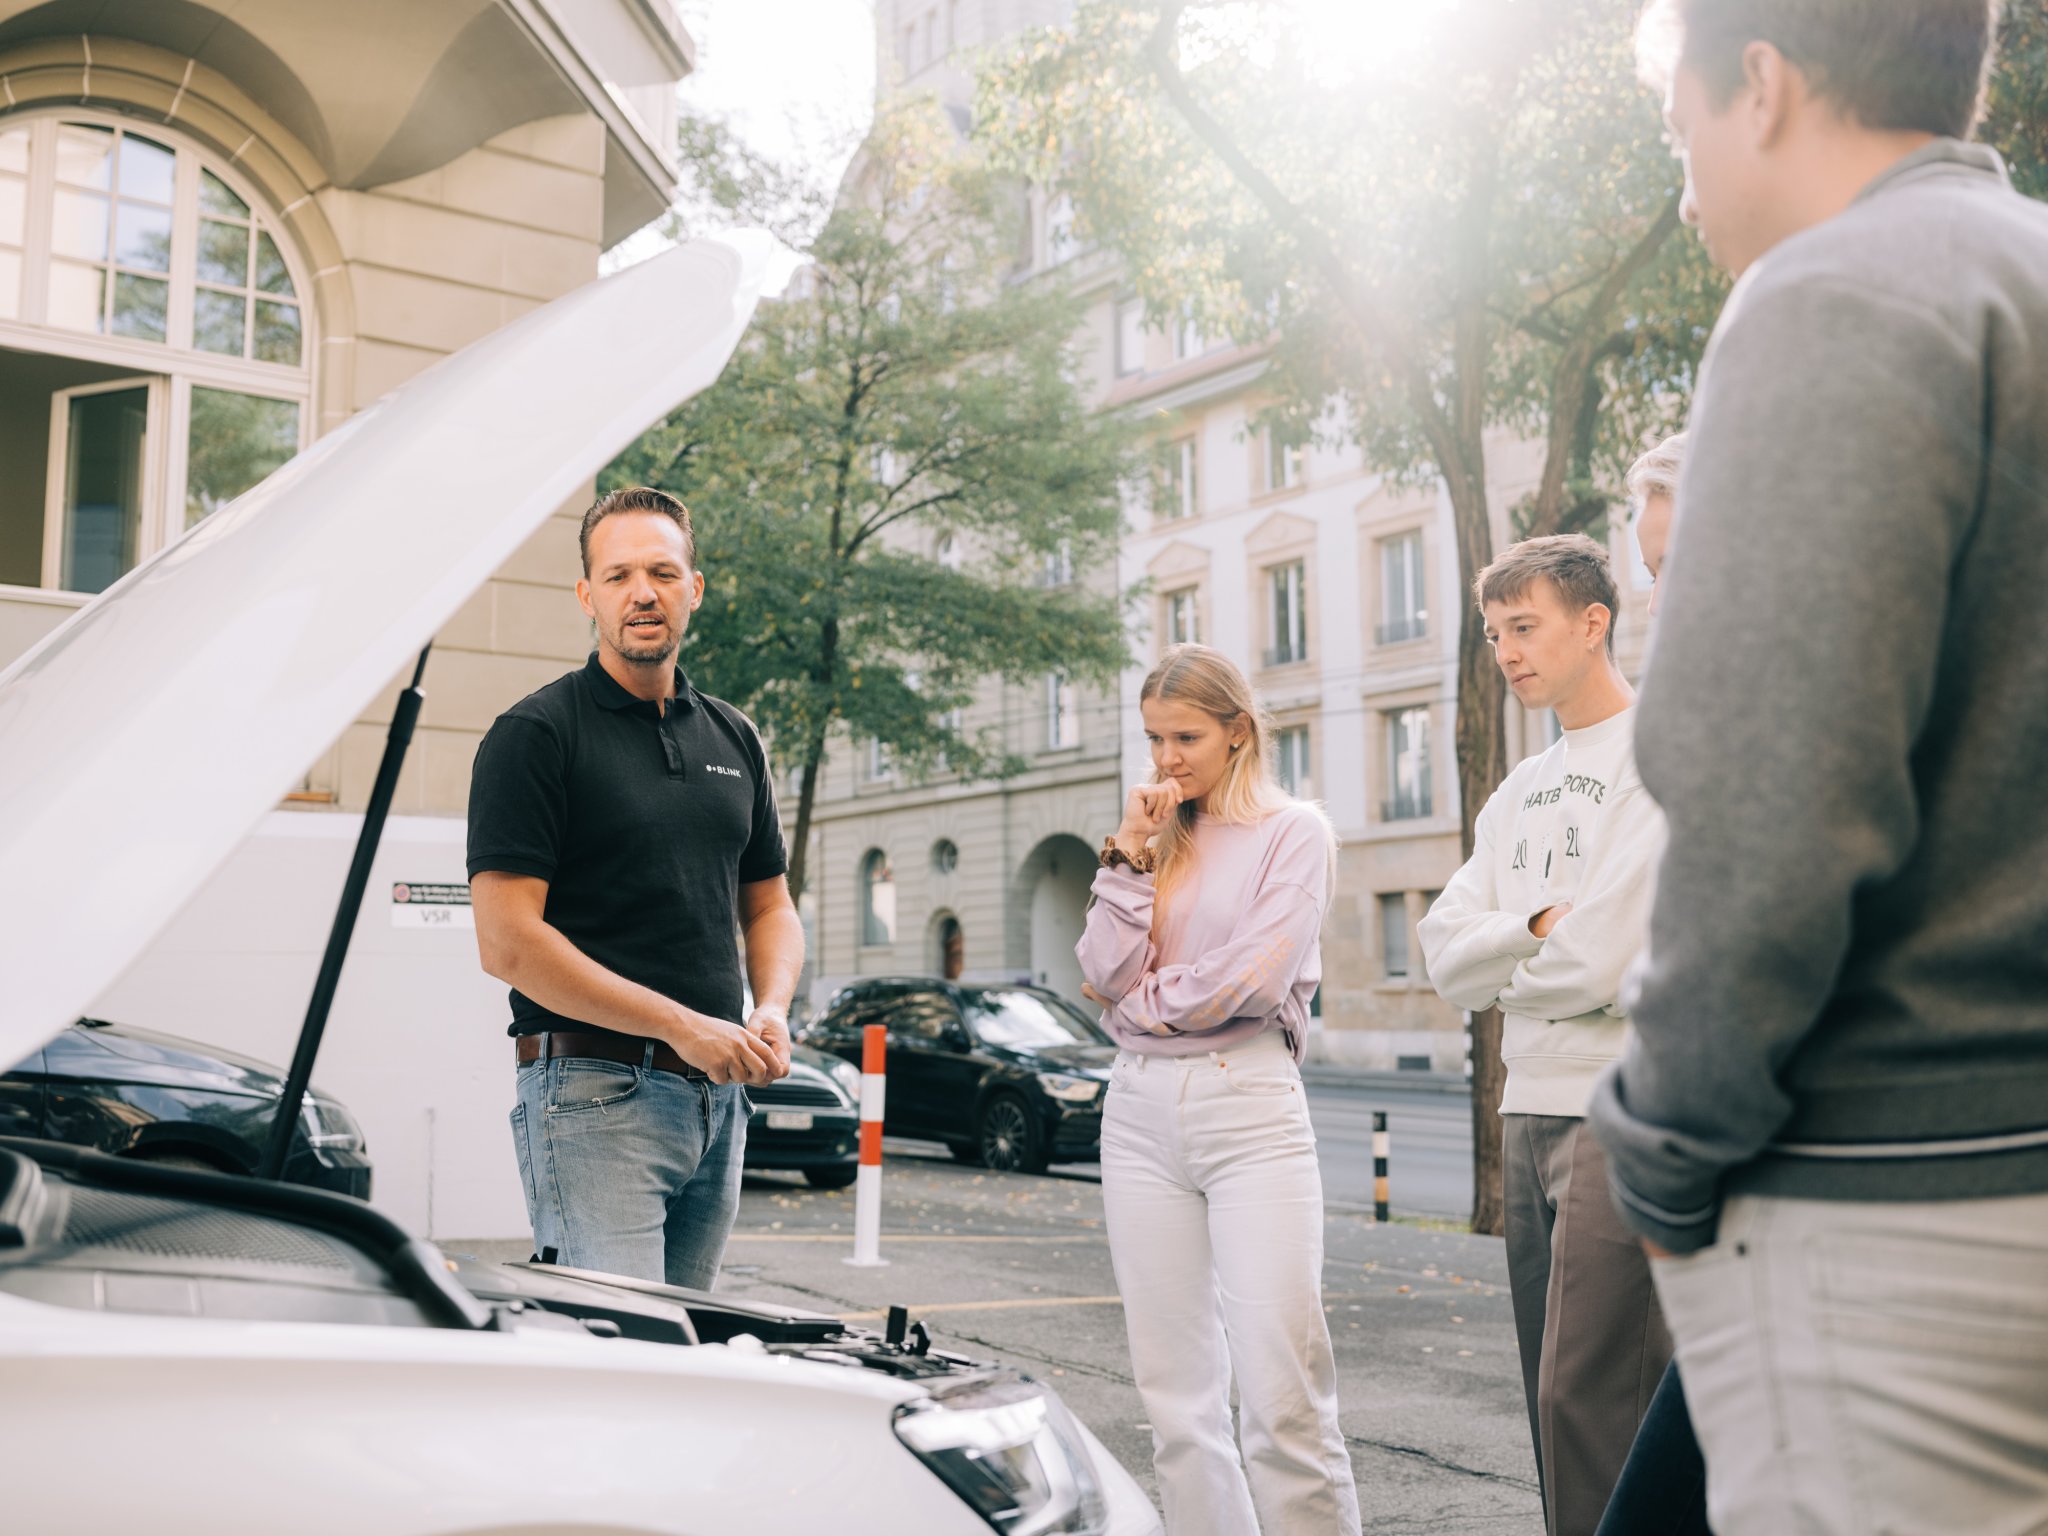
1026	1018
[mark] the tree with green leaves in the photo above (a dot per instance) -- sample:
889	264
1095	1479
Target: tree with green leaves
1465	240
898	485
1471	235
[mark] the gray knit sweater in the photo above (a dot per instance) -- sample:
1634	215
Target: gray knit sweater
1845	720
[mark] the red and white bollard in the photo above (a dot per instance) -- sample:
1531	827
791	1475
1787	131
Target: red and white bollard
867	1189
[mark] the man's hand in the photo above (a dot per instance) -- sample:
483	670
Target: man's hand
1548	918
724	1052
771	1027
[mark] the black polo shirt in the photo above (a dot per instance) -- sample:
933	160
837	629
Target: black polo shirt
644	823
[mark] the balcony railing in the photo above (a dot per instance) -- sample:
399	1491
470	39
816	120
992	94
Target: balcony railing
1287	653
1406	808
1395	631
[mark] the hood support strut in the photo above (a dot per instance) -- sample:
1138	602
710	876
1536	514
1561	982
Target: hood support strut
396	740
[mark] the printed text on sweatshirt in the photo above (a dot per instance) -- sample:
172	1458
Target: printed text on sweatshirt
1575	825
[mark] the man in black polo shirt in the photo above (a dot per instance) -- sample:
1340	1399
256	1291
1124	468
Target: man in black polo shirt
622	836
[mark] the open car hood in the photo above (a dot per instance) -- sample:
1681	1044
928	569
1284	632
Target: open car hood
142	739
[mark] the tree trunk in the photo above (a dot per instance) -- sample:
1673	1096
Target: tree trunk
800	840
1482	764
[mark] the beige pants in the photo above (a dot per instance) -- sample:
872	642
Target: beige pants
1869	1369
1592	1339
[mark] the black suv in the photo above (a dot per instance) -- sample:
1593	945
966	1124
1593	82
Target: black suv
1007	1075
156	1098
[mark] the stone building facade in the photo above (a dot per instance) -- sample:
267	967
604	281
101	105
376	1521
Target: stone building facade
1333	585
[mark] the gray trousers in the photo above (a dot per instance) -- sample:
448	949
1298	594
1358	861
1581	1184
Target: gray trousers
1872	1369
1586	1316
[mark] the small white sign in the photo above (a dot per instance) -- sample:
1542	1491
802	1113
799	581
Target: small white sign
789	1120
424	904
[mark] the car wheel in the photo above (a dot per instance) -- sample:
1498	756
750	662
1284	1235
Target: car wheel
1008	1137
830	1178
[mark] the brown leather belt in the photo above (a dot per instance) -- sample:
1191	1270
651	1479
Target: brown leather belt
569	1042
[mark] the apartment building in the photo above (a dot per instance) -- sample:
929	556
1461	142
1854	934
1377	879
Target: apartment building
224	230
1334	585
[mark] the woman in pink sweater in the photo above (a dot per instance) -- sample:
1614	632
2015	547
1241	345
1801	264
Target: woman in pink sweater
1203	948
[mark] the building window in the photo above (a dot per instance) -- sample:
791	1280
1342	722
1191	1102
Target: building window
1290	761
1188	340
1429	899
947	551
1062	725
952	26
877	899
1061	243
879	766
1408	767
1394	936
129	251
1290	621
1130	337
1283	450
1174	489
906	48
1057	568
945	856
1183	617
1404	609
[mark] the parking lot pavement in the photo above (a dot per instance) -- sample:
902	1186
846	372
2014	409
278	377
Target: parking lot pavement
1017	1268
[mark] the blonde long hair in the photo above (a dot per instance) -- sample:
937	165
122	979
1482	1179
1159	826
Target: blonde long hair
1208	680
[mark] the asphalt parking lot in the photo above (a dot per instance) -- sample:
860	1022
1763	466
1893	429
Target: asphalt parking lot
1017	1268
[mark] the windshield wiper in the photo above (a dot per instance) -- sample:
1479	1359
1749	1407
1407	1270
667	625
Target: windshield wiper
396	740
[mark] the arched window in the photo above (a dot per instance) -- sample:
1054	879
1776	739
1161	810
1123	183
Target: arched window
155	345
877	899
945	856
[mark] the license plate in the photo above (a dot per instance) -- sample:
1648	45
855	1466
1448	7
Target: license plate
789	1120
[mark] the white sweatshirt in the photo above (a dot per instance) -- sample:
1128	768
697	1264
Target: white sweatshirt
1572	825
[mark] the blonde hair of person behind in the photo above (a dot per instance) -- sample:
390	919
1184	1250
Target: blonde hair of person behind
1656	473
1208	680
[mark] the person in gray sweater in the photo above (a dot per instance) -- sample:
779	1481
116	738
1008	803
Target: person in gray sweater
1830	1125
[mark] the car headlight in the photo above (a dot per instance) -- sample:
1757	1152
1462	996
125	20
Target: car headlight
1072	1090
847	1076
329	1126
1013	1453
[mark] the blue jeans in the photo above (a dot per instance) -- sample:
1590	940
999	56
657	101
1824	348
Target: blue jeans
630	1170
1663	1487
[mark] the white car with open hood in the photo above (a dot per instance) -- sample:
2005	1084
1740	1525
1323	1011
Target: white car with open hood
192	1352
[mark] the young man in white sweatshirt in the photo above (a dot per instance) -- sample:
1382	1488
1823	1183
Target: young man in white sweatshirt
1542	921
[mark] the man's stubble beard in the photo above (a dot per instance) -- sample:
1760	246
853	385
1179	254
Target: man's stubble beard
658	654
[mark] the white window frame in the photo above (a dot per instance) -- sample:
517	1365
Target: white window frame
1061	243
154	530
880	768
170	368
1282	465
1423	801
1130	337
1286	591
1404	592
1291	761
1177	490
1061	709
1388	904
1183	624
1058	569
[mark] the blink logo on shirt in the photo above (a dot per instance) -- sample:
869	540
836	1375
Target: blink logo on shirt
730	773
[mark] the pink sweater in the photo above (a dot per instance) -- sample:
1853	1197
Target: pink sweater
1239	952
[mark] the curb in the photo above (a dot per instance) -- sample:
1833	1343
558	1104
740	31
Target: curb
1329	1075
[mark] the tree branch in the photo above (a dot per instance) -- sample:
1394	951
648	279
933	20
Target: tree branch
1374	328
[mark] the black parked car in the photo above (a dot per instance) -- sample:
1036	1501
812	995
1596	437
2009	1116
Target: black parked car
809	1121
1007	1075
135	1093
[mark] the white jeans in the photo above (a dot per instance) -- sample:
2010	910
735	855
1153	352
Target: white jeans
1215	1208
1868	1369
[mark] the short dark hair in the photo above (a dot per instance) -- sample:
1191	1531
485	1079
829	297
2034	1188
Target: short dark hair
1911	65
1570	562
637	498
